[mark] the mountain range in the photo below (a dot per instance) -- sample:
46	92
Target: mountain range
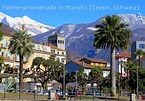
79	37
33	27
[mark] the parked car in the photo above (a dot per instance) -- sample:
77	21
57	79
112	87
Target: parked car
79	93
143	96
89	93
39	93
30	91
97	94
36	92
126	93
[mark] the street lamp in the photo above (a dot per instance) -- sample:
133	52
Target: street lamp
137	82
35	88
64	81
119	87
76	79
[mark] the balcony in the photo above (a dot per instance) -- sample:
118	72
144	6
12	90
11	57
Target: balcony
52	52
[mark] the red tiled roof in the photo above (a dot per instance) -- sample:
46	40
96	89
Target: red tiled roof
52	46
123	55
85	65
95	60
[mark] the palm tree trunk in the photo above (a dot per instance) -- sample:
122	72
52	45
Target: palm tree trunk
130	83
139	61
127	73
83	89
21	73
113	72
121	79
121	70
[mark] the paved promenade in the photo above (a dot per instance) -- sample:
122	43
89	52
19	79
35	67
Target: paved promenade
63	100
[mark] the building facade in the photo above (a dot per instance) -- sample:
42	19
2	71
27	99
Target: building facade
135	46
57	40
121	57
87	64
40	50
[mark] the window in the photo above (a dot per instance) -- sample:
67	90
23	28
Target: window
10	55
17	57
8	43
141	46
3	52
63	60
3	43
58	59
97	64
61	41
62	53
92	63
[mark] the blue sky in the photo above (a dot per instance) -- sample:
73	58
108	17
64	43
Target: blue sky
58	12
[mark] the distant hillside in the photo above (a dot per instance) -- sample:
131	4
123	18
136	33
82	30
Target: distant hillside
6	29
79	37
71	55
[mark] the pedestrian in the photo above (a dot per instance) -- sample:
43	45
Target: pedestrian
57	96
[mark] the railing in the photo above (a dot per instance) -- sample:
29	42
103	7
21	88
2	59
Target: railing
23	95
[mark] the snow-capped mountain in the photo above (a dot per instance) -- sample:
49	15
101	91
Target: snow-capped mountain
79	37
32	26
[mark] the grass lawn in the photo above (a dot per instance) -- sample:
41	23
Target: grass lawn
124	98
27	96
23	96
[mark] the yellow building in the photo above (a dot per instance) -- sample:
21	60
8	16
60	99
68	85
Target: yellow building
40	50
94	62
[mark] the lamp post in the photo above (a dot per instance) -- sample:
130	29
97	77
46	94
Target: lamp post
137	82
76	78
35	88
64	81
119	87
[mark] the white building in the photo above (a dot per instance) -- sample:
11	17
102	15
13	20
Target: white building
121	57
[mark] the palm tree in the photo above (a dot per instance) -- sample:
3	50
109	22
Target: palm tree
112	34
129	66
21	44
1	33
139	53
1	36
130	69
